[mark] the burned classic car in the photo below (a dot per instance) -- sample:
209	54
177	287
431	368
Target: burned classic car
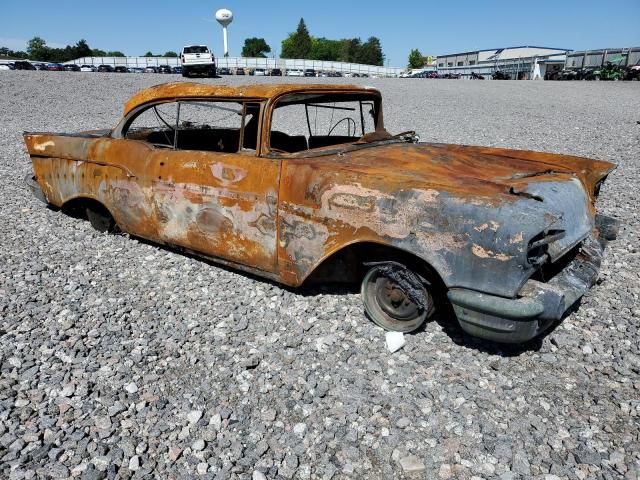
302	182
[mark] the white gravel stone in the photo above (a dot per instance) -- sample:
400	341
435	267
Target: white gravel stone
194	416
134	463
412	464
131	387
299	429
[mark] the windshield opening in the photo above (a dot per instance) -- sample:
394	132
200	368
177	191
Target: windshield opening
309	121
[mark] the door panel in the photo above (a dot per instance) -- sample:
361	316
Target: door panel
220	204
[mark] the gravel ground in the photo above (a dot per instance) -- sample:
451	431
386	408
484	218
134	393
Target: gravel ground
119	359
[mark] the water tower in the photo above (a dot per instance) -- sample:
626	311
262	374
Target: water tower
224	18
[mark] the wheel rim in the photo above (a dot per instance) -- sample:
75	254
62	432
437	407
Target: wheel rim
389	306
394	300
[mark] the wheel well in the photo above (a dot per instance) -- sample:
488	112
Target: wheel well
76	207
347	265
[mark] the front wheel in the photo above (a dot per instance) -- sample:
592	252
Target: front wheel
395	298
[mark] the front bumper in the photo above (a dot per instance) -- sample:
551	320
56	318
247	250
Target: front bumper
539	304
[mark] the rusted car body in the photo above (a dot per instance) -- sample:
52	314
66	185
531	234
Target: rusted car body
511	237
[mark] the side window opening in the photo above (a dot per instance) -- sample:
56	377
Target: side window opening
155	125
317	121
209	126
198	125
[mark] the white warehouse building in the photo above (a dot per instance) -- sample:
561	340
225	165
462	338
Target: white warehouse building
524	62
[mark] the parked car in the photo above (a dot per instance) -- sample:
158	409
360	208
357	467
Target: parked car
105	68
71	67
224	71
40	66
136	70
275	72
55	67
164	69
150	69
294	72
120	69
177	70
240	71
88	68
506	240
259	72
7	66
23	65
476	76
197	60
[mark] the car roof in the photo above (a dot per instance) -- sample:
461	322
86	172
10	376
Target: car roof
261	91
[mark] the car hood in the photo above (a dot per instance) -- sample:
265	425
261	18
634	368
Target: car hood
475	170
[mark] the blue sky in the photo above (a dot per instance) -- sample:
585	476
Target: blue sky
135	26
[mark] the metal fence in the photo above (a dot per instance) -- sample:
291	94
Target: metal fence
251	63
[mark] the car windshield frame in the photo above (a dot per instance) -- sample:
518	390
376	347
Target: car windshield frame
313	98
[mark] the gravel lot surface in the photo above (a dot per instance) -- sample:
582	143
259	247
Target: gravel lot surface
119	359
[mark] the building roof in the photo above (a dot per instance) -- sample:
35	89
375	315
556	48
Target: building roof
505	48
262	91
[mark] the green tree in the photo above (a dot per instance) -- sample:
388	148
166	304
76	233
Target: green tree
325	49
298	44
7	52
82	49
96	52
171	54
415	59
115	53
149	54
350	49
370	53
255	47
37	49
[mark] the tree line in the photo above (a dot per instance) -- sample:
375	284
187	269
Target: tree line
37	49
300	44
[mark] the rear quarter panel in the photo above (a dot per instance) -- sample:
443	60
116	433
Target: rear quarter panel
114	172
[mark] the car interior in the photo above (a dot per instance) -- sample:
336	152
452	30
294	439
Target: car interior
299	123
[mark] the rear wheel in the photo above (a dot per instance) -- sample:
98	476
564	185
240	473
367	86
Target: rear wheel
100	218
395	298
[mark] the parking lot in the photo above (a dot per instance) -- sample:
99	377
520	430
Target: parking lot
120	358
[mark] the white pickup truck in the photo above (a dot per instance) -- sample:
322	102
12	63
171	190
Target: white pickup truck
197	59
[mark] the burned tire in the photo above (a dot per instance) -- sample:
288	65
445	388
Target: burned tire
100	218
395	298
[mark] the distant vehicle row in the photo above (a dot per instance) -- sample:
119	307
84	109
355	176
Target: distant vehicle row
609	71
258	72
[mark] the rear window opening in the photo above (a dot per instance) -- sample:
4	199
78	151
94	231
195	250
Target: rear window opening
195	49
